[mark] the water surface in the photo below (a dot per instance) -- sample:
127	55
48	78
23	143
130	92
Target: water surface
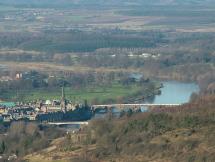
175	92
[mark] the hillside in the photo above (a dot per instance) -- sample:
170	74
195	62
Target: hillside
181	134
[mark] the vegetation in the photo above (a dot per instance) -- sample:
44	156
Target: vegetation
91	47
94	87
23	138
92	95
175	134
182	133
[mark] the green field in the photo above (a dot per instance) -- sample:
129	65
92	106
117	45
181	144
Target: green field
100	94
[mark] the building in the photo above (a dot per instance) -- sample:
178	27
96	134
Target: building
63	101
2	110
18	76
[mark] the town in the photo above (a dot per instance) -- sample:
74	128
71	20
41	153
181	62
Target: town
55	110
52	105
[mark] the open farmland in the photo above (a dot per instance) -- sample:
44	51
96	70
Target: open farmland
91	94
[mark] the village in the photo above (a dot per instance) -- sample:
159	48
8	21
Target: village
43	110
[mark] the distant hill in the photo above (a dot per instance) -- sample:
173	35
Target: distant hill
67	3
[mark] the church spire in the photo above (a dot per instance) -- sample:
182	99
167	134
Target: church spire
62	93
63	100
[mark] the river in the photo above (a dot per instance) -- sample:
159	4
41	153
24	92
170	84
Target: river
175	92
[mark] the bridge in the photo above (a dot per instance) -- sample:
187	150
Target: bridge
68	123
121	106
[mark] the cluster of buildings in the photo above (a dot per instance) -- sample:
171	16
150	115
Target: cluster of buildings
19	111
19	76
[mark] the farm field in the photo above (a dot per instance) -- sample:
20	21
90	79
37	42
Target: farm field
93	94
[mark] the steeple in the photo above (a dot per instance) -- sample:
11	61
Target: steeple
62	93
63	100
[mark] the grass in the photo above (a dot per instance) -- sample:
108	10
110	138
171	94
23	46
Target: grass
100	93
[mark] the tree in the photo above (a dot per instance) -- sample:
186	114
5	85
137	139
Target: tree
2	147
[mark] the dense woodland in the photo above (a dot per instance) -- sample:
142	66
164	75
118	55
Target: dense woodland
79	41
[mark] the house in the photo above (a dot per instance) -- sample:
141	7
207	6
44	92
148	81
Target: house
18	76
5	78
48	102
12	157
2	110
6	117
135	77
